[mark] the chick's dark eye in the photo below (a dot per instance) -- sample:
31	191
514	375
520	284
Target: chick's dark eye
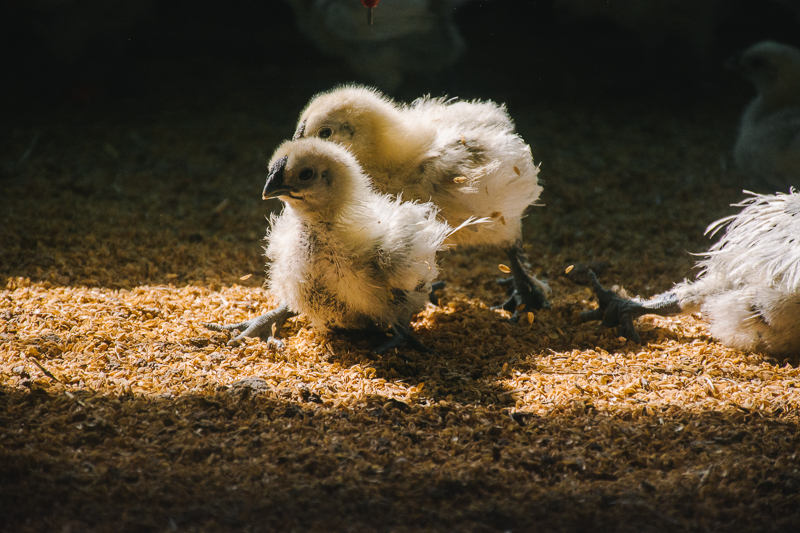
324	133
306	174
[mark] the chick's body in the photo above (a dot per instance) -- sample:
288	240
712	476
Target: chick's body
462	156
749	288
372	264
341	253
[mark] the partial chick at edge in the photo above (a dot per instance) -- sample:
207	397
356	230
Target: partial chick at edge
343	254
767	150
749	285
464	157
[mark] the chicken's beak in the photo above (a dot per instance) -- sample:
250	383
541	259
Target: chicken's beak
275	185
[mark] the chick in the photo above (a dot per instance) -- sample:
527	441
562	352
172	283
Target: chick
463	156
407	37
749	286
341	253
768	146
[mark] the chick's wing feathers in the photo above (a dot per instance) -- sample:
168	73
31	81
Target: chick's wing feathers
476	165
403	237
762	242
483	172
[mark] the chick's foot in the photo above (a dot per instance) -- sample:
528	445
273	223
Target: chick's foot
526	293
266	327
402	335
614	310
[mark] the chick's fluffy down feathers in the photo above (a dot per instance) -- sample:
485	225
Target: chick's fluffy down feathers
462	156
749	288
371	262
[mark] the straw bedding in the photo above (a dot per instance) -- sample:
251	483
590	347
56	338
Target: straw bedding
126	230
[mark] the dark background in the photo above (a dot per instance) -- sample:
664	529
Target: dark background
514	50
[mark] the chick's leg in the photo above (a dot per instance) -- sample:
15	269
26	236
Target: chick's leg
266	326
432	296
526	292
616	311
402	335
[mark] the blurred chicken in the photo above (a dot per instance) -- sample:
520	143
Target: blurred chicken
343	254
749	286
768	147
408	36
463	156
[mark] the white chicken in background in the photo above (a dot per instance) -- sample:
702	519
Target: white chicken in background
748	288
408	36
464	157
341	253
768	146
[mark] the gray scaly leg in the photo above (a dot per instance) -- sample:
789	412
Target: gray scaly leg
616	311
260	326
526	290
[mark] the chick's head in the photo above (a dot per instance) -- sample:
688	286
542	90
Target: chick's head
361	119
773	68
314	176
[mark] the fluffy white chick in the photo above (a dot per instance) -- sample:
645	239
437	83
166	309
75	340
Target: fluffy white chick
768	146
465	157
749	285
341	253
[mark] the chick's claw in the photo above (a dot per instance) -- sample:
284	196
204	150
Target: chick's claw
513	305
614	311
402	335
264	327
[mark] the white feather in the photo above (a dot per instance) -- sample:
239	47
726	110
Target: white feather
749	285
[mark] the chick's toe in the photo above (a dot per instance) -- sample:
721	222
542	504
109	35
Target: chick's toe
266	327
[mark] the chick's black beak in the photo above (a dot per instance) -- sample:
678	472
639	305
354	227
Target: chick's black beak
275	185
